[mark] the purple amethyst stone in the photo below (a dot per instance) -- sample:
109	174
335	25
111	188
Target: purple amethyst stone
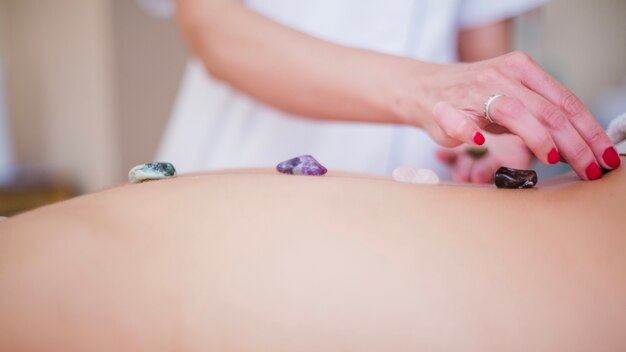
302	165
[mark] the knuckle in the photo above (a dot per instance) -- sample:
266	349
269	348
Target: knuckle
551	116
596	135
518	59
571	104
579	151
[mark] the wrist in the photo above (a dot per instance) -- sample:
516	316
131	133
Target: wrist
409	92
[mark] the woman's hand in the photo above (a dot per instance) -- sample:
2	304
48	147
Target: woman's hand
550	119
502	150
342	83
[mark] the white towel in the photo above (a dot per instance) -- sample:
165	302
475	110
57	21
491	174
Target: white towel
617	133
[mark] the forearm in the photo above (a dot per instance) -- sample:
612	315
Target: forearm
310	77
296	72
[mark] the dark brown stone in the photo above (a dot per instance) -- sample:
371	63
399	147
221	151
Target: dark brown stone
507	177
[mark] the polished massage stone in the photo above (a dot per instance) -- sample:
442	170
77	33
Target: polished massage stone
151	171
507	177
301	165
409	174
404	174
426	176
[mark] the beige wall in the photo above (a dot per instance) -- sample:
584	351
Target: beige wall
3	28
6	155
150	58
92	82
60	81
585	44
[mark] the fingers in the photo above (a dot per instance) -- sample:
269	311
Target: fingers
446	156
468	169
571	144
484	170
460	163
574	111
550	119
462	168
512	114
457	125
542	129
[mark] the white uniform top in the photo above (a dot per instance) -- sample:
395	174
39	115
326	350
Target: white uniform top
215	126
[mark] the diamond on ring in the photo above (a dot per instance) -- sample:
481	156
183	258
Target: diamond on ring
488	103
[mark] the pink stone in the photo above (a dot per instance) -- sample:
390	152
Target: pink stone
426	176
409	174
404	174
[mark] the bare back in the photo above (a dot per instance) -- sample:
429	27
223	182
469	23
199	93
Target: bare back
257	261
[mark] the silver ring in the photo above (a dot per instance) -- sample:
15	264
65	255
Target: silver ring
488	105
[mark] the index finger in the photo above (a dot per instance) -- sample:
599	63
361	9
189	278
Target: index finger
536	79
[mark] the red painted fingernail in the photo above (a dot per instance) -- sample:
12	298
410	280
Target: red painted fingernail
479	139
593	172
611	157
554	156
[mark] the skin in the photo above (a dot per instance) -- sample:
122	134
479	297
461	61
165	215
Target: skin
505	149
258	261
361	85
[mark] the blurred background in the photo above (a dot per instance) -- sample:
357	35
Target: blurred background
87	86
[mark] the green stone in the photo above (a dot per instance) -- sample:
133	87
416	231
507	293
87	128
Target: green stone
476	152
151	171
